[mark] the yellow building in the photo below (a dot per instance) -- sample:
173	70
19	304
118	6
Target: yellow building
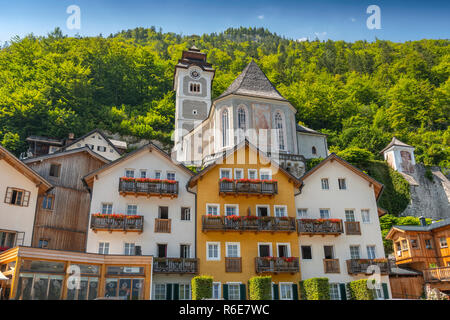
246	223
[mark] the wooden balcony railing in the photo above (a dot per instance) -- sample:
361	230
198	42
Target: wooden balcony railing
320	226
115	222
148	187
253	223
436	274
163	225
331	266
233	264
276	264
357	266
175	265
352	228
256	188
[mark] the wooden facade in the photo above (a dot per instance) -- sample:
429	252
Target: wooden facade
406	287
63	225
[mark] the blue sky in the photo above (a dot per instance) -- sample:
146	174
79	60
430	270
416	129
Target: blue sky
336	20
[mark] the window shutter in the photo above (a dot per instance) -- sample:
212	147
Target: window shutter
169	291
343	291
26	198
276	294
8	195
176	291
294	292
385	290
243	294
225	291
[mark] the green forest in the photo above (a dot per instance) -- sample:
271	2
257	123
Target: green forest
360	94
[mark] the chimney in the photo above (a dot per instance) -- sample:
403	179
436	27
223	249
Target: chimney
422	220
71	136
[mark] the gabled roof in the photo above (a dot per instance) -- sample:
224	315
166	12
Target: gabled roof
148	147
88	134
300	128
53	141
428	227
65	153
378	187
231	151
253	82
42	184
396	142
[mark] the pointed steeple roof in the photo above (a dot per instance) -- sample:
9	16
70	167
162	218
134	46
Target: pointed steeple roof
253	82
396	142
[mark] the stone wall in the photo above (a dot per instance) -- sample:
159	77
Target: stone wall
428	198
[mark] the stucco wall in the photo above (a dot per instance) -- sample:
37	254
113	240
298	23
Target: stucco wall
97	140
305	143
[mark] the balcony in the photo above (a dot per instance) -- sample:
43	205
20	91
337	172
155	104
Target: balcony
322	227
360	266
175	265
331	266
148	187
163	225
233	264
436	274
352	228
248	187
117	222
277	265
248	223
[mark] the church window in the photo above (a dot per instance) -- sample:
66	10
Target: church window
241	119
225	128
280	130
194	87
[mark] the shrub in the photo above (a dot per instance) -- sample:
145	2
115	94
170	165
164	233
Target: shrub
311	163
202	287
260	288
359	291
356	156
316	289
428	174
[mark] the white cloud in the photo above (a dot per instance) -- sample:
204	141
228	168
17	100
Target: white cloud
320	34
302	39
260	17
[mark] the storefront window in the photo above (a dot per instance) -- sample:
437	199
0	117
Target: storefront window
42	266
39	287
127	289
87	290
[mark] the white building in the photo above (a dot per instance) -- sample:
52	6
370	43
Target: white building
400	156
341	248
157	216
19	189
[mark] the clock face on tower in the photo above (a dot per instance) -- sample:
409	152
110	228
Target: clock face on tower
195	74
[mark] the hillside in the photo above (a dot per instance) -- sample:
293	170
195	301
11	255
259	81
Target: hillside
360	94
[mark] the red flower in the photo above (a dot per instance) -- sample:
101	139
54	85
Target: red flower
226	180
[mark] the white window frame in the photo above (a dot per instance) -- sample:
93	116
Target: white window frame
238	249
189	291
165	290
287	244
275	207
103	244
265	171
129	169
345	183
219	292
374	251
174	175
329	213
239	170
338	290
143	171
268	244
213	205
289	285
359	250
231	205
228	170
106	204
263	206
239	289
188	246
125	248
159	172
129	205
252	170
301	252
345	214
368	216
208	258
302	216
322	185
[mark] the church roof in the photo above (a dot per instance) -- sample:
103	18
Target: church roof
300	128
253	82
396	142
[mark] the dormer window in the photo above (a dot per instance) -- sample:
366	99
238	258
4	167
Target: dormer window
194	87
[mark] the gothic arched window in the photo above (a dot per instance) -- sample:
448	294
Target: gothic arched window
280	130
242	121
225	128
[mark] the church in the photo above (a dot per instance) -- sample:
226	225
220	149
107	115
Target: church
251	108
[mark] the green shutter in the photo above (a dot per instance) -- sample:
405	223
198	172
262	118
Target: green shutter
276	295
294	292
243	293
343	291
225	291
168	291
176	291
385	290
